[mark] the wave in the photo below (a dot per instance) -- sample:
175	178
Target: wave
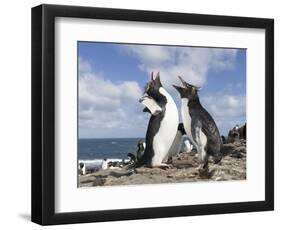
95	165
97	162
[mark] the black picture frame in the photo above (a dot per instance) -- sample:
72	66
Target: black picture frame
43	114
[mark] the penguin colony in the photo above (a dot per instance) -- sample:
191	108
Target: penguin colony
164	134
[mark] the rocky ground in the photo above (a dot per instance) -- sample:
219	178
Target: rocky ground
183	169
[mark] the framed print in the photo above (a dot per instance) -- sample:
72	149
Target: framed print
142	114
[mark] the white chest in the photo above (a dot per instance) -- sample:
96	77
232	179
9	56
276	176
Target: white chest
104	165
186	118
169	124
167	131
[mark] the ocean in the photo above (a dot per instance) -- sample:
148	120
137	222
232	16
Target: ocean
109	148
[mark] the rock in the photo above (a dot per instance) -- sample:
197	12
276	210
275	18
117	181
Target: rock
237	133
236	149
236	154
232	167
183	168
99	182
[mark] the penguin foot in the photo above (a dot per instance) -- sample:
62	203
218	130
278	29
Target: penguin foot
217	158
203	166
205	174
170	160
204	171
164	166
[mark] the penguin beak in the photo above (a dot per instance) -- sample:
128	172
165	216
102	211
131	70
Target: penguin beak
185	84
177	87
182	81
143	98
181	90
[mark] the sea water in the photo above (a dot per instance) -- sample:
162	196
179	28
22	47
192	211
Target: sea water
93	151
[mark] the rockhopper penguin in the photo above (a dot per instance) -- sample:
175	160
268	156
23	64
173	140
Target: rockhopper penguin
163	123
199	126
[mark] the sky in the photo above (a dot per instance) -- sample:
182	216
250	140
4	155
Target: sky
112	77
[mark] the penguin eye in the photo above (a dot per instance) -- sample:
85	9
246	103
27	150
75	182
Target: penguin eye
193	90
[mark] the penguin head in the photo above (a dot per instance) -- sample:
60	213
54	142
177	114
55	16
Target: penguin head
141	146
187	90
81	165
153	86
131	157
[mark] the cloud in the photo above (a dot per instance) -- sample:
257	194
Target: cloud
194	64
150	54
84	66
225	105
191	63
233	88
227	110
108	109
104	105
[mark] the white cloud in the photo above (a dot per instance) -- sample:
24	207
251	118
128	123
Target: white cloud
150	54
227	110
113	108
191	63
84	66
225	105
232	88
104	105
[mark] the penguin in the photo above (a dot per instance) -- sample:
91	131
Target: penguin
199	126
223	139
131	158
104	165
140	151
233	135
114	165
82	168
162	126
179	141
187	146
